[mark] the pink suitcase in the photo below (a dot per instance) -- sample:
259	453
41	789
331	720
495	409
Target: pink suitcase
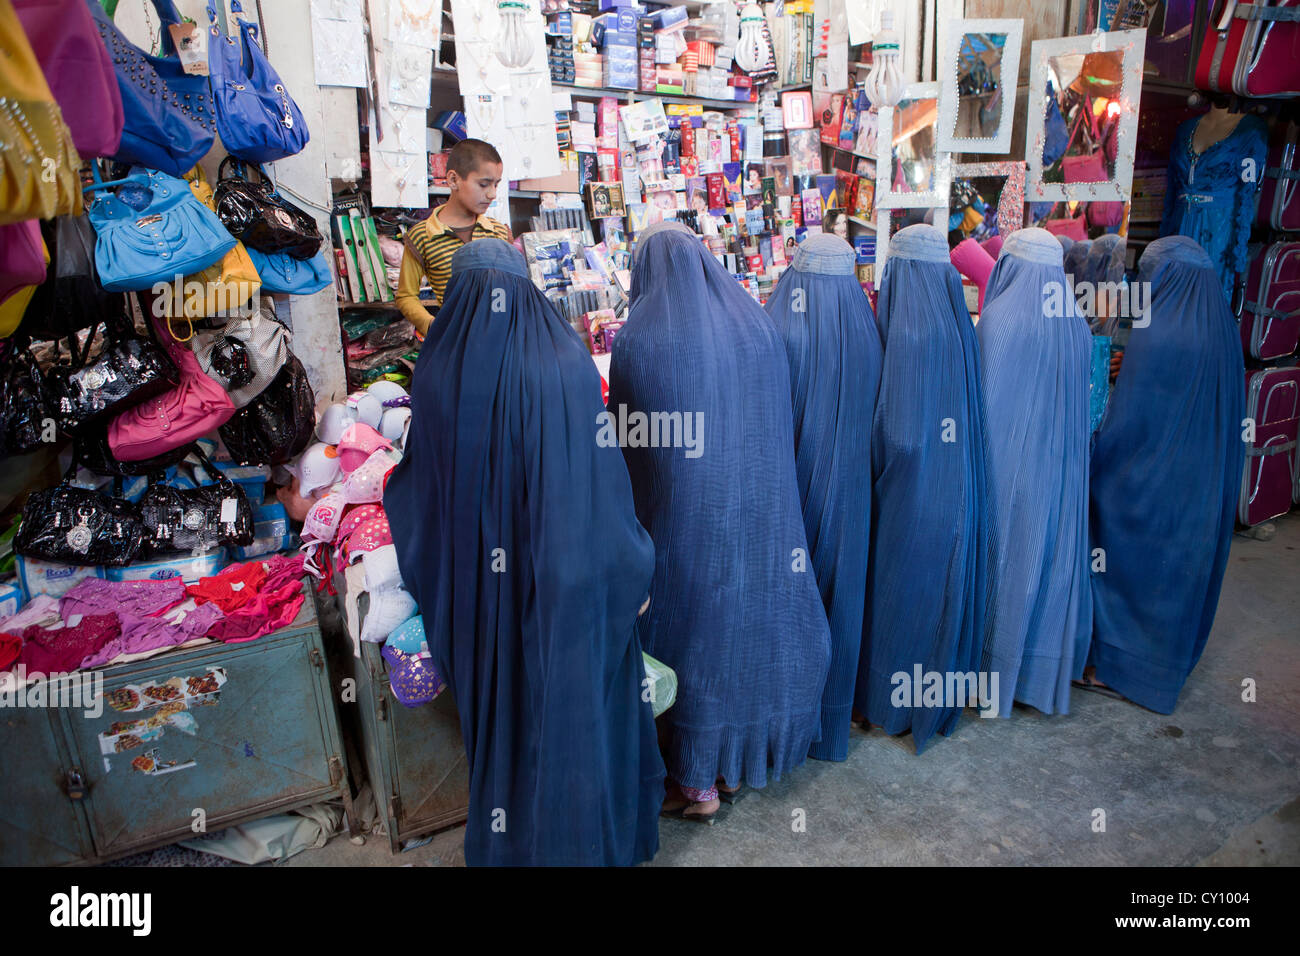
1279	194
1271	67
1270	312
1268	476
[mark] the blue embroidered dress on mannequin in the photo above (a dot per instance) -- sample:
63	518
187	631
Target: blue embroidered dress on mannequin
1207	197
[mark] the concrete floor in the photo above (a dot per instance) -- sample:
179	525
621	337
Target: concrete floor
1216	783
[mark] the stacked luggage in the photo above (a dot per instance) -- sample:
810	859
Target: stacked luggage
1251	48
1270	481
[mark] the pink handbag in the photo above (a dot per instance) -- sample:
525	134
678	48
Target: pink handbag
22	258
192	409
79	70
1070	227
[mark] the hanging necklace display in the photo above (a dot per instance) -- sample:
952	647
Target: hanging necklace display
485	118
417	22
337	39
399	179
478	69
529	98
404	128
409	69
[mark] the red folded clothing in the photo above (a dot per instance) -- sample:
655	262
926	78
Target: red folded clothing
11	645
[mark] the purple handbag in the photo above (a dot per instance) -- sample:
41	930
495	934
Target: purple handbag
22	260
79	70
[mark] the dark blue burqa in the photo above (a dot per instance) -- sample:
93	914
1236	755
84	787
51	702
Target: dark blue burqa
1034	368
1165	474
734	608
1104	264
833	346
1076	257
930	535
516	534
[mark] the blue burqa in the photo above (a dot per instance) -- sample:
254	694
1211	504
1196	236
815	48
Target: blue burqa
1104	265
1165	475
516	533
833	346
1075	258
1035	351
734	608
930	535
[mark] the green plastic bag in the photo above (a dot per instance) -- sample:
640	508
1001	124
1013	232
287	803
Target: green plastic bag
662	686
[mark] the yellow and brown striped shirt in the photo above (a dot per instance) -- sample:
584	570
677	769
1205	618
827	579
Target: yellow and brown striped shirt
429	248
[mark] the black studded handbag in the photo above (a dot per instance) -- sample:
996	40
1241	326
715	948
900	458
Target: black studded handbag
278	424
74	525
196	519
170	115
255	214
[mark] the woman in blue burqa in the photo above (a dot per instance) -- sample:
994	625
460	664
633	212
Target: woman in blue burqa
1035	351
1165	475
734	608
516	534
930	533
833	346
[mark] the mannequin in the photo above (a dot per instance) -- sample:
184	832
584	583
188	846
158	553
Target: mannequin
1211	196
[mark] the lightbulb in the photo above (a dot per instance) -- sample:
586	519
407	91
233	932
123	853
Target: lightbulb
884	84
752	50
515	50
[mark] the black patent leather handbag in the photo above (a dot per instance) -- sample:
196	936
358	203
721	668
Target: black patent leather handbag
278	424
129	370
196	519
80	526
258	216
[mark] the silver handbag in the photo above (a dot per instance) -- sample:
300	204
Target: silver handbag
246	355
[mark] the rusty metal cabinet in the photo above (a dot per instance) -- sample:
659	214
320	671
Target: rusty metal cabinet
223	733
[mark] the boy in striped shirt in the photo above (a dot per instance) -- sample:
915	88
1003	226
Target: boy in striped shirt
473	173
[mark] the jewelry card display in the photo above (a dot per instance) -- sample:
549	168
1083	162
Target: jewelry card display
399	179
409	69
415	22
338	43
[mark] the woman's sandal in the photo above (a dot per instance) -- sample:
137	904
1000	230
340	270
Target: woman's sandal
732	796
677	805
1096	687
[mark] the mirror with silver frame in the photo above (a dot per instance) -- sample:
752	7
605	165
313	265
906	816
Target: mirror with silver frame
979	70
1080	139
911	171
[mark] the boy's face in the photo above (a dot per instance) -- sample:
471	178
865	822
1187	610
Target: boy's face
477	190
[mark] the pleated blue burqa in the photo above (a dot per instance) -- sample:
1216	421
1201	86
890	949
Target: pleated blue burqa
516	534
1035	352
930	536
1165	473
1076	257
1104	265
833	346
734	607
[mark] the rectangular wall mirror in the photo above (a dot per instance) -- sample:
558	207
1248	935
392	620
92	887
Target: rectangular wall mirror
1080	137
978	71
1011	201
911	171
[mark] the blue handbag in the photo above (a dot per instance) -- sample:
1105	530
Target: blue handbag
256	118
281	272
1056	135
152	230
170	118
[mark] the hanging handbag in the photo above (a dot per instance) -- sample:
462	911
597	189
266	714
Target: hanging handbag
38	162
255	214
196	519
246	355
80	526
278	424
128	370
170	119
282	273
25	421
71	298
227	285
1088	167
152	231
1056	134
176	417
94	454
23	264
256	118
1072	227
79	70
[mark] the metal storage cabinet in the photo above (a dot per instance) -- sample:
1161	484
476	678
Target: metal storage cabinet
252	730
414	757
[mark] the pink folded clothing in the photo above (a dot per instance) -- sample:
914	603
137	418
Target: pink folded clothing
272	610
41	609
136	598
62	649
974	263
282	568
150	632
